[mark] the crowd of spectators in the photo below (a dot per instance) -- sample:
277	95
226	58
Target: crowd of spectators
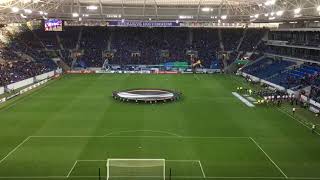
26	54
147	45
21	57
14	71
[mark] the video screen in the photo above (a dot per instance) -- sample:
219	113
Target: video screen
53	25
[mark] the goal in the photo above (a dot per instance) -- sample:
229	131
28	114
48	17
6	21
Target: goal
132	169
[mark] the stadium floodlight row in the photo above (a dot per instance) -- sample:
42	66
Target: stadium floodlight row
185	10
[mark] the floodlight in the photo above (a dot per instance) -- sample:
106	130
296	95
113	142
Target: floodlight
28	11
297	11
15	9
75	15
185	17
297	15
270	2
279	13
23	16
92	7
206	9
224	17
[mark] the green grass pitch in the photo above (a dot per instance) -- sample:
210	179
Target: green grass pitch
69	128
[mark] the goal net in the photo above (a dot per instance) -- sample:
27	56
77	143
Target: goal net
132	169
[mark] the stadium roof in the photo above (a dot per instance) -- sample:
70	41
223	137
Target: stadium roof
193	10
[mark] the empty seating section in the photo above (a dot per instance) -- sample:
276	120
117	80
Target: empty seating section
267	67
285	73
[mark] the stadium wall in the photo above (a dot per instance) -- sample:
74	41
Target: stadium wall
314	103
44	76
30	81
20	84
1	90
29	84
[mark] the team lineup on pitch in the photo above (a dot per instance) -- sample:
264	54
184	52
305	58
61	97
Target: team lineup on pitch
70	128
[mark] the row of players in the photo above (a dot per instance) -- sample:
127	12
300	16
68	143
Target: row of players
276	98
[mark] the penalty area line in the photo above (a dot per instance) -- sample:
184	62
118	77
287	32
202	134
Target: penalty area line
13	150
169	137
70	171
204	175
280	170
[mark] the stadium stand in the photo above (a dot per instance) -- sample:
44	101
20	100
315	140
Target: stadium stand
148	46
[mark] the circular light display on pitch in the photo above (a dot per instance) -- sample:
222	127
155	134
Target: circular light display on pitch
146	95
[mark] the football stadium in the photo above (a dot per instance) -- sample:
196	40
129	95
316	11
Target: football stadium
159	89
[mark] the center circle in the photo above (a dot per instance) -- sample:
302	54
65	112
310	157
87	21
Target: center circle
146	95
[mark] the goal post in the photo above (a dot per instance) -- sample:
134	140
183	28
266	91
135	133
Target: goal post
133	169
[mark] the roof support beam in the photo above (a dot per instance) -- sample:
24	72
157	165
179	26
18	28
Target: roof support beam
122	6
144	8
156	6
199	6
101	10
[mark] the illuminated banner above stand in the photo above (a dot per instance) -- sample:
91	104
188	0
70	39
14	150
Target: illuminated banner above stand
143	23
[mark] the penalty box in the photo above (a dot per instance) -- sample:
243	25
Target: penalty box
63	155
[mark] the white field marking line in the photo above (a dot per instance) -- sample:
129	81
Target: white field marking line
170	137
182	160
170	160
13	150
74	165
294	118
181	177
242	99
142	130
183	137
32	177
269	158
204	175
66	136
231	177
91	160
